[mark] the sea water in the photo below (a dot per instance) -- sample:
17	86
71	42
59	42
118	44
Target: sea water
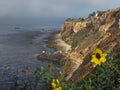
19	47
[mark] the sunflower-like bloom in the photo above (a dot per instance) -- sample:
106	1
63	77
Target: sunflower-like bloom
55	85
98	57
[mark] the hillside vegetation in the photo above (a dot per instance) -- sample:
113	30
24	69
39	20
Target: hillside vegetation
89	51
85	36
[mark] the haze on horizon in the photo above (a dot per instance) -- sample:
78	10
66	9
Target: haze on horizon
49	12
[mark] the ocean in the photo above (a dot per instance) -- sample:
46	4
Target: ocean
19	47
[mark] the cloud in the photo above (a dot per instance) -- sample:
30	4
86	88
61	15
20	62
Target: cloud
94	2
52	8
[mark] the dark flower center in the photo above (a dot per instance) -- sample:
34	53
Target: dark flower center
98	56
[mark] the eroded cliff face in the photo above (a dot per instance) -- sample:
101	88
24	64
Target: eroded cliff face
85	35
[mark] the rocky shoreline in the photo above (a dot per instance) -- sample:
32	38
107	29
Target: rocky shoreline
63	55
61	50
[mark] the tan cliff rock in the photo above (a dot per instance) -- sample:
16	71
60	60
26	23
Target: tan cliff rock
86	35
78	26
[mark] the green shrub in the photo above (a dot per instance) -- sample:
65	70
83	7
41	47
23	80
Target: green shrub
104	77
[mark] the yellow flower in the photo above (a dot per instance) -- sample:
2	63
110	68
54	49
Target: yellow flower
98	57
55	85
57	81
53	80
59	88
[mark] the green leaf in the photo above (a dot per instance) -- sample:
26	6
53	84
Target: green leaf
40	70
37	79
48	76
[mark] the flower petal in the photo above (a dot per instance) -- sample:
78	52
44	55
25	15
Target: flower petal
98	51
57	81
53	85
103	59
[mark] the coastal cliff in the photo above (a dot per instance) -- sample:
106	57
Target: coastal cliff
83	36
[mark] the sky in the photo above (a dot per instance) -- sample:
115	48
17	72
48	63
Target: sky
49	12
